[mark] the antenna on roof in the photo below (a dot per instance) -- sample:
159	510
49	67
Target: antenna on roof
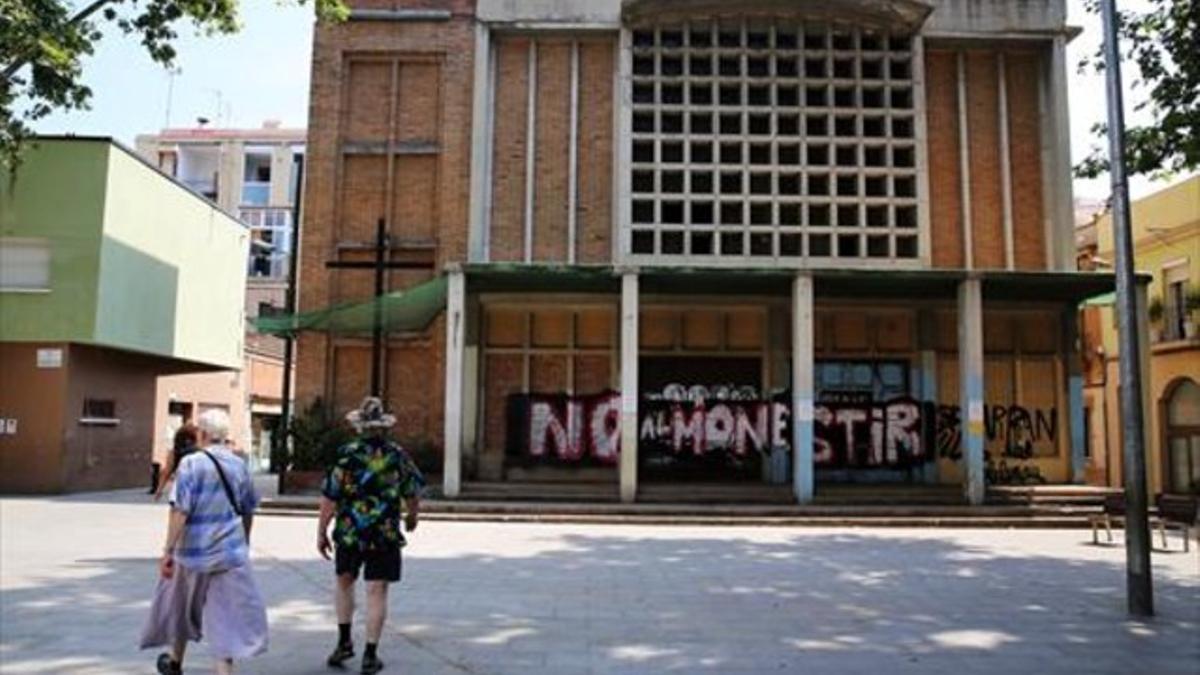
171	73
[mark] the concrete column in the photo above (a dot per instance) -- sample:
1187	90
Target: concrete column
1064	209
970	375
629	386
455	332
803	386
281	175
964	164
1073	372
231	175
481	147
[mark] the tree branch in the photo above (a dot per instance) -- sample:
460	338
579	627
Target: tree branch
79	17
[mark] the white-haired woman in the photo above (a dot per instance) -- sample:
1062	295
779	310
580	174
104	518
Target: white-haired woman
206	586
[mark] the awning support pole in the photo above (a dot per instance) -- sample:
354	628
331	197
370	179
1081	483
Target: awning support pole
381	248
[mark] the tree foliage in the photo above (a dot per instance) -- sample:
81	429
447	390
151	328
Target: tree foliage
43	44
1163	43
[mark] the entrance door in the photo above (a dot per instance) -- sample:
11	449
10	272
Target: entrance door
702	418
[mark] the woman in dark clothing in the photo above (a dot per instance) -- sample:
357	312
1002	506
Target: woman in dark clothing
187	441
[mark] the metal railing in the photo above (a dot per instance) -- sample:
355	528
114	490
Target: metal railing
271	240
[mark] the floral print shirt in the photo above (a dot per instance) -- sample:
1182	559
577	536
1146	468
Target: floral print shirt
367	481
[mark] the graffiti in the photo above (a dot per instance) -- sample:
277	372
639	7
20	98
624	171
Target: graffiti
699	393
732	428
565	429
1000	473
869	434
698	428
1016	428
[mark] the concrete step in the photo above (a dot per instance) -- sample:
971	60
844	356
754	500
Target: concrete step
1079	495
727	514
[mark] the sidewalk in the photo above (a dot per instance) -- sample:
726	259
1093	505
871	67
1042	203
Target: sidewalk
76	575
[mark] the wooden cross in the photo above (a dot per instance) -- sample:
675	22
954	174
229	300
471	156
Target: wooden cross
380	264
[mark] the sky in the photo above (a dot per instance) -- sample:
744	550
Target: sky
262	73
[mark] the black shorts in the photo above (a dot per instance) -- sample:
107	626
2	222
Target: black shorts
377	565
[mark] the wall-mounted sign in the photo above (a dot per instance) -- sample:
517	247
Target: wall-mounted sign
10	427
49	358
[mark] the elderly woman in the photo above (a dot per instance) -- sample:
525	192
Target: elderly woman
206	587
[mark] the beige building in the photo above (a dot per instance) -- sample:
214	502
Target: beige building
254	173
1166	239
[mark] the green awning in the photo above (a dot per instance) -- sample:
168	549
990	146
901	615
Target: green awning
409	310
1103	300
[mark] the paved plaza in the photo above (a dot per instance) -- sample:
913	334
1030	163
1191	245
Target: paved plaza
76	574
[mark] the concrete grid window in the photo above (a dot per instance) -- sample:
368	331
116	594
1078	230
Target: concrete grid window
772	140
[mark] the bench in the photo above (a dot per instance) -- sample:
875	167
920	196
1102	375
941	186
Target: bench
1114	511
1176	512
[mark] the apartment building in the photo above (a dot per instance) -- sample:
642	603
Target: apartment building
1166	241
255	174
776	245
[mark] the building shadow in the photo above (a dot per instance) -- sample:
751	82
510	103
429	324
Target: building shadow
695	600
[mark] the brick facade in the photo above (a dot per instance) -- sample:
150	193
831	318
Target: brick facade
390	120
982	72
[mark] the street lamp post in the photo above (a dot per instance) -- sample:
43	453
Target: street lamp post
1139	589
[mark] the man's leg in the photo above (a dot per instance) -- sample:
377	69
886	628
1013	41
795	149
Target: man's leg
377	601
343	602
377	593
343	599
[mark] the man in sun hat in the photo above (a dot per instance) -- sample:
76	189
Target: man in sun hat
362	494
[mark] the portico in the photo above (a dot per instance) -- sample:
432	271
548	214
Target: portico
894	423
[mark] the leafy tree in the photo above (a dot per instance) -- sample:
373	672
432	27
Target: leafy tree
43	44
1163	42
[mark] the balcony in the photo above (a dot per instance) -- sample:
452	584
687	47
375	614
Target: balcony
255	193
1178	318
203	186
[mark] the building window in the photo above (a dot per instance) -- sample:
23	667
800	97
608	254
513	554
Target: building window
168	162
860	380
1175	311
99	412
772	140
1183	438
24	265
256	179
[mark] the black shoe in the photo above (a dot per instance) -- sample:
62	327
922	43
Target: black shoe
168	667
341	654
371	664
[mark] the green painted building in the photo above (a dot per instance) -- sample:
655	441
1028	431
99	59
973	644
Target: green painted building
111	275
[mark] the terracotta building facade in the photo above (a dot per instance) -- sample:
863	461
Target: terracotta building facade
770	243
